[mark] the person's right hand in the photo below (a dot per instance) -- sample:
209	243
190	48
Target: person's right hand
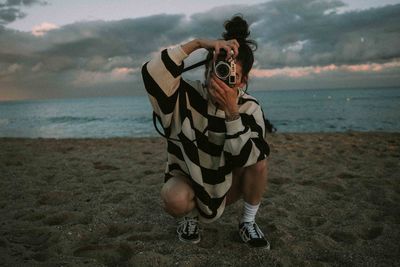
217	45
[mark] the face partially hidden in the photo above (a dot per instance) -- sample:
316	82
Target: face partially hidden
240	81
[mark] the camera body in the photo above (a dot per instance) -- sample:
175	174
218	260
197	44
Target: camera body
224	69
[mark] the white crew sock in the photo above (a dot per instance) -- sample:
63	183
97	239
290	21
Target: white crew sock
249	212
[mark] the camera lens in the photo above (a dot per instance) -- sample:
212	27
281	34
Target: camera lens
222	70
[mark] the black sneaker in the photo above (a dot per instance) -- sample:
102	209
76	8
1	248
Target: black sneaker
188	230
252	235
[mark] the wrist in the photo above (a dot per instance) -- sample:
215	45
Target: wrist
197	43
191	46
231	116
233	109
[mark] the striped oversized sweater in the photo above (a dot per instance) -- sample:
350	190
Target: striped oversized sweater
209	147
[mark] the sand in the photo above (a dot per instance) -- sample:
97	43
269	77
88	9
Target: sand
332	200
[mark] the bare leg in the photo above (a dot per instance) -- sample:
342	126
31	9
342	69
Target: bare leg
178	196
235	192
249	182
255	182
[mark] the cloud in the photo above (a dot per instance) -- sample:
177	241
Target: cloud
298	72
11	9
305	41
86	79
43	28
327	37
10	69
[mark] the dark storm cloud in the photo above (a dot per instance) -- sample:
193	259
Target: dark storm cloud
302	34
289	34
310	33
76	46
131	36
11	9
78	59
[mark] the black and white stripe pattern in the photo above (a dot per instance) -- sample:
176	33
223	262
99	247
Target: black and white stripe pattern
210	147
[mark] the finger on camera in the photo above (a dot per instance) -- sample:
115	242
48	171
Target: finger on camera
235	52
216	51
235	47
220	83
214	85
217	84
219	95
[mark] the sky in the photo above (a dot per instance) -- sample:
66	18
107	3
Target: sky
65	49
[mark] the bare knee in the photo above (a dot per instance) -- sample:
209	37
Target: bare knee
255	182
178	198
259	168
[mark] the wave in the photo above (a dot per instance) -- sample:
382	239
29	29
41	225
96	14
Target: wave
79	120
143	119
374	97
72	119
4	122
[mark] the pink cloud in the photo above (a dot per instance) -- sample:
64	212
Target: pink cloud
123	71
298	72
93	78
42	29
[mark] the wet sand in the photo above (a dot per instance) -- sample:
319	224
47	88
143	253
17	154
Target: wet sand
332	200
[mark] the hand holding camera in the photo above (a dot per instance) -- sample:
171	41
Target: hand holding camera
224	96
224	69
222	46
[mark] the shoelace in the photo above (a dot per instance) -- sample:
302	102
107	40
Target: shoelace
191	225
251	227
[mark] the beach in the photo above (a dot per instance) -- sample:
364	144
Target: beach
332	200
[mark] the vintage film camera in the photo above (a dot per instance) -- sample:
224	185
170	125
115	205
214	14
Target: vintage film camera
224	69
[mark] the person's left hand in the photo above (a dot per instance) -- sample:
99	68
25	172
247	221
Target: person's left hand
225	96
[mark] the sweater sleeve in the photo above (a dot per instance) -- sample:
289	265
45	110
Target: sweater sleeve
245	139
162	77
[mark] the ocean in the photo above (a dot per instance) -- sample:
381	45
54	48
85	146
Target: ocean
333	110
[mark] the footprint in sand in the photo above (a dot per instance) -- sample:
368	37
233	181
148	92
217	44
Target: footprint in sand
98	165
34	239
333	186
146	233
346	175
55	198
280	180
210	238
59	218
148	172
306	182
118	229
371	232
151	258
311	221
111	254
343	237
13	163
65	217
116	198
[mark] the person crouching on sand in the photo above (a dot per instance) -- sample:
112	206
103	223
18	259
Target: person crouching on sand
217	152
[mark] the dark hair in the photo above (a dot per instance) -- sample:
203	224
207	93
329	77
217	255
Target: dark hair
237	28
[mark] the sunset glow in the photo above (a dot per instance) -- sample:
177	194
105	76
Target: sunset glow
298	72
43	28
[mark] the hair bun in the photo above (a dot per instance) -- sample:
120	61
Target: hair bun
236	28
